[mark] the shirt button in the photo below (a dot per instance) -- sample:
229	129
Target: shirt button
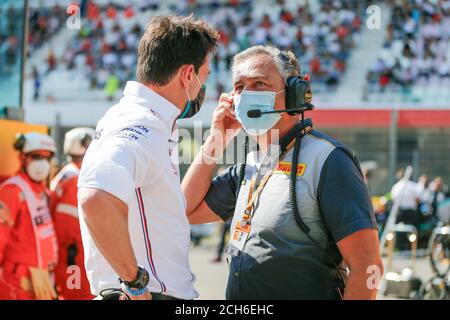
236	274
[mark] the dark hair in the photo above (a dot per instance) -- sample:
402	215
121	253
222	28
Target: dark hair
170	42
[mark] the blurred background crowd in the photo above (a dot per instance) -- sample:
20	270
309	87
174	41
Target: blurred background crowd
416	50
103	51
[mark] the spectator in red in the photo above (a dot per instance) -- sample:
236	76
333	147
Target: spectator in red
314	66
342	31
111	12
339	65
356	23
224	38
90	60
93	11
129	12
287	16
86	45
51	60
384	80
266	23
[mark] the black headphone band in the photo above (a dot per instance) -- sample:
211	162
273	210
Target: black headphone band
284	57
19	141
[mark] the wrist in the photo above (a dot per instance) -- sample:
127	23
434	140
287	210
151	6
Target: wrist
131	275
133	293
213	148
137	286
220	139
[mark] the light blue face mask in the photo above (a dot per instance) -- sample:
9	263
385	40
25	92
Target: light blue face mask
261	100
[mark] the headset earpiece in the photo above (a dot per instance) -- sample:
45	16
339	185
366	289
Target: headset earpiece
19	142
298	90
298	93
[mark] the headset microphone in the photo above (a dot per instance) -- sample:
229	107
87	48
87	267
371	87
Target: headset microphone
256	113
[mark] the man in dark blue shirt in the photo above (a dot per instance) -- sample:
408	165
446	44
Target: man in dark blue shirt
272	258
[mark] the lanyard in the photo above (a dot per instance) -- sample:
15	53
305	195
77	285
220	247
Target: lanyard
254	194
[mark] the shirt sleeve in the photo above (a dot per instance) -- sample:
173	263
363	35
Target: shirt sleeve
343	197
221	196
122	163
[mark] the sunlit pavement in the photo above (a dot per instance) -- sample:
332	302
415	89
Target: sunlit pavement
422	270
211	277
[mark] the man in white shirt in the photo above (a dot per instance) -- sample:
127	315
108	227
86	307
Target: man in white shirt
406	192
132	210
410	198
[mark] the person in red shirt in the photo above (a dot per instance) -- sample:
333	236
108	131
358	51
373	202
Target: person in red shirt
93	11
129	12
111	12
28	245
71	279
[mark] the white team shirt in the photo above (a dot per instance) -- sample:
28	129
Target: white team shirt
410	195
134	157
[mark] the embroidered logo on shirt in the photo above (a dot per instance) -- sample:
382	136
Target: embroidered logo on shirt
98	134
286	168
133	133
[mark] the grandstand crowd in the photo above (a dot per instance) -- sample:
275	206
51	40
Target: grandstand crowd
416	50
104	49
322	33
10	26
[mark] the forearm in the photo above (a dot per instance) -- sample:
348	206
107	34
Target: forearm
107	222
358	288
198	178
361	252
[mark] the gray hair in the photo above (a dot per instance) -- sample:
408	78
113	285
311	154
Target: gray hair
286	61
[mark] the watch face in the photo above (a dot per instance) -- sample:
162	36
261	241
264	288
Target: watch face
145	278
141	280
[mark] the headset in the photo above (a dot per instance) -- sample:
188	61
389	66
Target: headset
298	94
19	142
297	90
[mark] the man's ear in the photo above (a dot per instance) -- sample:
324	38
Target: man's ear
186	74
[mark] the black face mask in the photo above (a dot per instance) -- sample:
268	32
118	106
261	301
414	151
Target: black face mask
193	106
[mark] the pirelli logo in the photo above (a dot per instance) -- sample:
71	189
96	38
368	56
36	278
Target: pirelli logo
308	96
286	168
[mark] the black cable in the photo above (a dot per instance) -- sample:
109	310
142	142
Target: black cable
293	197
293	183
112	294
242	167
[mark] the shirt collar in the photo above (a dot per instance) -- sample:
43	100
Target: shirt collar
158	105
284	141
292	134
